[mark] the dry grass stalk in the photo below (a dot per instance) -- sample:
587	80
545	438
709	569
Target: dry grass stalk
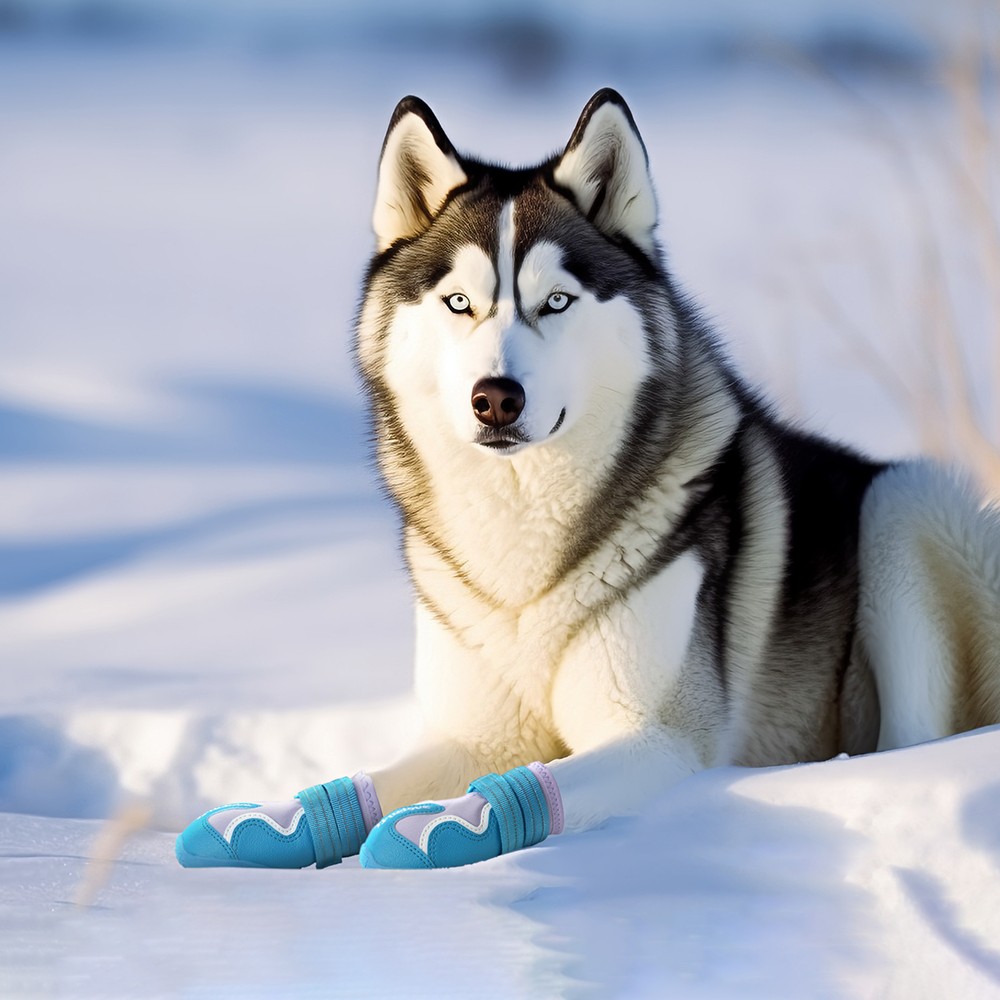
938	394
107	848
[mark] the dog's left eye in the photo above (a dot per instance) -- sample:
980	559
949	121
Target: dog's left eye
458	303
557	302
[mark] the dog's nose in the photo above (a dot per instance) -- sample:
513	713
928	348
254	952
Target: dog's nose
497	402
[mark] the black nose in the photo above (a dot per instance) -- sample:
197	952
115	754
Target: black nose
497	401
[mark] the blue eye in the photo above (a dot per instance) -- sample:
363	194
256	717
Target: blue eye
557	302
458	303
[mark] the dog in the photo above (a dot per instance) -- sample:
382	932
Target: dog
622	561
625	566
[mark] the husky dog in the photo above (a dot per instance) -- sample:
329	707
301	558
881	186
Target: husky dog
625	567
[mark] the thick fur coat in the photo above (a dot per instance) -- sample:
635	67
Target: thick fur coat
624	565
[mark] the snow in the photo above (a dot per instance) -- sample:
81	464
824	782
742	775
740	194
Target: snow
201	598
871	877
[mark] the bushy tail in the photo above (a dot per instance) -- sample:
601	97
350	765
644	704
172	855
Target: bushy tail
930	603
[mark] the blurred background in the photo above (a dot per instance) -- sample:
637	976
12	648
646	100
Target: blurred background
200	593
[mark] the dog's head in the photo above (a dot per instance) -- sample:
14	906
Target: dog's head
507	308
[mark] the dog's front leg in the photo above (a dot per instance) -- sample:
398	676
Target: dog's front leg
622	699
325	823
434	770
619	777
505	812
469	733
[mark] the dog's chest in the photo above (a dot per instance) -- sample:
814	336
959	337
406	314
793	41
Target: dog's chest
507	657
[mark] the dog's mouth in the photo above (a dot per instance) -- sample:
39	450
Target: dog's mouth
507	438
501	438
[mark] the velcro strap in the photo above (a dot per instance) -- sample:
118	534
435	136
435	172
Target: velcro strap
519	803
335	820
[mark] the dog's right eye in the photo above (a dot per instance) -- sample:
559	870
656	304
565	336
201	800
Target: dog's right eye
458	303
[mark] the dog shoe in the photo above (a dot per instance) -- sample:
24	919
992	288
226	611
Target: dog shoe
320	826
500	813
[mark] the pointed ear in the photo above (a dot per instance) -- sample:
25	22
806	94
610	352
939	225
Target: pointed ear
419	166
605	169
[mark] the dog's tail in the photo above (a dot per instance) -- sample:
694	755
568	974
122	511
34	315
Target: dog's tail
929	613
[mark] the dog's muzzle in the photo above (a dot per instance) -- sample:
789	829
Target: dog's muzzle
497	403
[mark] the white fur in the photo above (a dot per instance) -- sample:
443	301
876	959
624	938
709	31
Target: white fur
930	579
506	235
621	776
626	663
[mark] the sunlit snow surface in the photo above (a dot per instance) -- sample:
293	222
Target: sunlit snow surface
875	877
201	598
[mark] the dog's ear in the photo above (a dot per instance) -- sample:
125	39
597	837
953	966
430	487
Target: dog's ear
419	166
605	169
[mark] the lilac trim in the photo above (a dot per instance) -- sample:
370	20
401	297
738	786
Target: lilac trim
552	796
371	808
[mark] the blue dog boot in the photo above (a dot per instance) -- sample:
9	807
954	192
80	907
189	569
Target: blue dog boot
320	826
500	813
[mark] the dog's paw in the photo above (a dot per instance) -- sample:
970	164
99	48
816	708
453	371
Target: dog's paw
320	826
248	835
500	813
442	834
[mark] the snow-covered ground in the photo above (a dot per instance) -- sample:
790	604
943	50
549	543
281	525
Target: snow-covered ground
200	595
873	877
